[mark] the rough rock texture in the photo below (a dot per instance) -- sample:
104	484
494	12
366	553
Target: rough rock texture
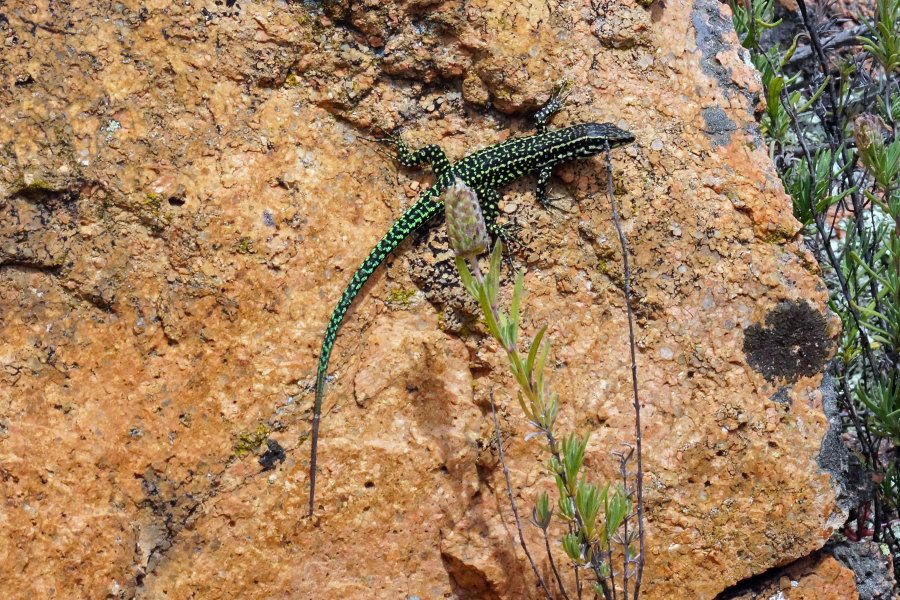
816	577
184	192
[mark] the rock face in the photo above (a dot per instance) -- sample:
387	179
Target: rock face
184	192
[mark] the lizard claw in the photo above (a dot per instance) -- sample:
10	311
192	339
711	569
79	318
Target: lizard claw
561	91
507	234
547	203
384	137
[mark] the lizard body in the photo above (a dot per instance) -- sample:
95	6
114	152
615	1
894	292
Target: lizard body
484	171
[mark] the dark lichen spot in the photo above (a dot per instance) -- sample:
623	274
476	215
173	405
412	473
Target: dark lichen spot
782	396
718	126
714	31
793	343
274	454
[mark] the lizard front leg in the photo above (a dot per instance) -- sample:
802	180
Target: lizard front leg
553	105
543	186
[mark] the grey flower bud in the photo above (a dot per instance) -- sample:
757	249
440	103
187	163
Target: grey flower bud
465	223
868	132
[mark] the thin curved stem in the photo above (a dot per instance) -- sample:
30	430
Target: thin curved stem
639	476
512	500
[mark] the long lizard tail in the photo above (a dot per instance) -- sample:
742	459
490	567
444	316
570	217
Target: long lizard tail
415	217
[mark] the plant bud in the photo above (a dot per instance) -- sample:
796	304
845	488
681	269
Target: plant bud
571	544
868	133
541	513
465	223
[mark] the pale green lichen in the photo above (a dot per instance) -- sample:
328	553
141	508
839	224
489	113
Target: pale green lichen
244	245
399	297
248	443
153	200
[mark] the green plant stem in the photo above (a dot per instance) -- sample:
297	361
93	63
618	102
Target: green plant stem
534	391
512	352
553	446
612	574
816	105
528	388
832	125
623	471
578	585
870	448
752	20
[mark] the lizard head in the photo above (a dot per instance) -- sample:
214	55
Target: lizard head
598	134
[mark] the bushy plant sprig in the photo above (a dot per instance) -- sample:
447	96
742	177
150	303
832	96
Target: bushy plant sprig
831	121
593	515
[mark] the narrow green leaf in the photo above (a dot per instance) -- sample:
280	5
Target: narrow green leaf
493	276
539	367
571	543
815	96
573	449
525	409
488	312
514	308
466	276
790	51
532	352
865	265
588	502
542	513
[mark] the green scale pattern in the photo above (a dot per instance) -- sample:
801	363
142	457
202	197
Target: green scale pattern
484	171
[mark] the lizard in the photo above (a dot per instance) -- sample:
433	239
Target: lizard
485	171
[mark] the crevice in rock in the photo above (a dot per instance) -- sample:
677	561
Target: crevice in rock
468	581
852	487
27	266
768	584
170	513
752	586
168	510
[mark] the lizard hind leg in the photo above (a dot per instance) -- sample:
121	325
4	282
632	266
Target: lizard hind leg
386	139
560	92
490	206
431	154
507	235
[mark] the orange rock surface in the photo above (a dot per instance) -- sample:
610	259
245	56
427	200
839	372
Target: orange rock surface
817	577
184	192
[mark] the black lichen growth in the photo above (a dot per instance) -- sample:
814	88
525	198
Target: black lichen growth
793	343
718	126
274	454
782	396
